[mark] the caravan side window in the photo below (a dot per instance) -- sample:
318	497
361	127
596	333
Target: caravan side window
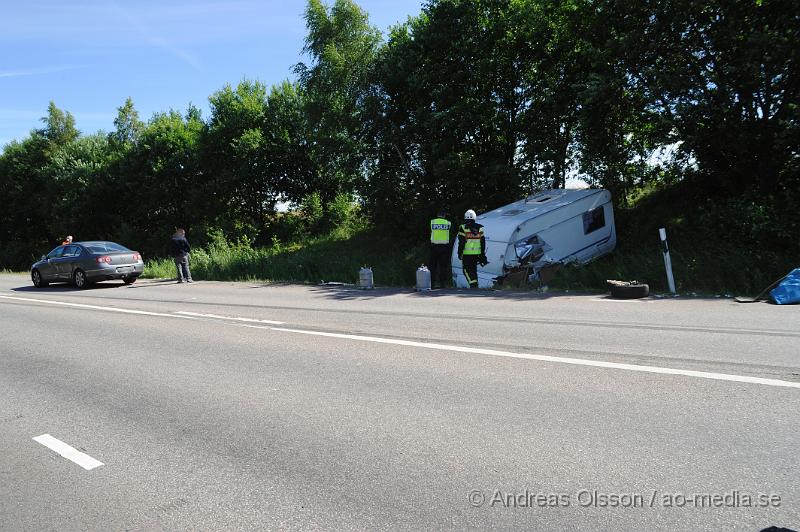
594	220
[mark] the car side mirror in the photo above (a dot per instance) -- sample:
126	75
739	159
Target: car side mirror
44	257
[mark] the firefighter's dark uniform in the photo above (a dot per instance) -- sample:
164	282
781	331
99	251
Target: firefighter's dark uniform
471	250
440	252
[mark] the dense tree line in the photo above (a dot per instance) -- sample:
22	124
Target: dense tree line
470	103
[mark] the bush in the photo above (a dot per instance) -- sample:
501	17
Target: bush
311	213
328	258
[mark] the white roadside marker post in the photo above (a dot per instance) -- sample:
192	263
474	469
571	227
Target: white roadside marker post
667	261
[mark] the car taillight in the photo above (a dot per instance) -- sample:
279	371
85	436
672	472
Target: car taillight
105	259
136	257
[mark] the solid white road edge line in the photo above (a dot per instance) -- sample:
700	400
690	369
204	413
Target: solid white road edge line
232	318
601	300
98	307
460	349
548	358
68	452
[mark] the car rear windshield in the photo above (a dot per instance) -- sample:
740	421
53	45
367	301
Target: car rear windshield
104	247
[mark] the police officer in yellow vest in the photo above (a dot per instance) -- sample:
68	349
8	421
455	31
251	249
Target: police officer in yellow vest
440	250
471	247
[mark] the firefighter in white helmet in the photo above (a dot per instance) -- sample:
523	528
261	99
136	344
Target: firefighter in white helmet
471	247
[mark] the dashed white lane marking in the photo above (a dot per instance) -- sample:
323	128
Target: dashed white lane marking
98	307
461	349
231	318
68	452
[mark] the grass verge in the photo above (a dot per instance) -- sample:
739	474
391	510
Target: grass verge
700	264
731	246
322	259
704	269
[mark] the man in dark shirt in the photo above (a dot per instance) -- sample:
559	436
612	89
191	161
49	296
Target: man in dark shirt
179	248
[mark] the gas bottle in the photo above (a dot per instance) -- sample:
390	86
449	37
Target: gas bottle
365	278
423	278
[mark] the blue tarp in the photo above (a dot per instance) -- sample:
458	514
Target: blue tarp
788	291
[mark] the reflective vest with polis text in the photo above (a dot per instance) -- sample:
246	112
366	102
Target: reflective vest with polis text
440	231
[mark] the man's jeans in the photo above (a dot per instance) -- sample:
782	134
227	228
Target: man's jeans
182	265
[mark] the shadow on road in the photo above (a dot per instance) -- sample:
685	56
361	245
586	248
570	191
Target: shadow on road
350	292
102	285
150	283
61	288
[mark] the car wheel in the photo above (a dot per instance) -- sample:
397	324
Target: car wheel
129	280
37	279
79	279
629	290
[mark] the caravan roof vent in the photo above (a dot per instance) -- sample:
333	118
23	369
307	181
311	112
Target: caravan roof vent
538	199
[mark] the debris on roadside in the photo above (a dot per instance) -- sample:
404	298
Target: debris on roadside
788	290
627	289
784	291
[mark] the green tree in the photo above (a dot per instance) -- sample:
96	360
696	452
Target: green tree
77	200
59	127
127	125
31	188
342	46
169	178
287	131
457	86
25	220
724	77
236	159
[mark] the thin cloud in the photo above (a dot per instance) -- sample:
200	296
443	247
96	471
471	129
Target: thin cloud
136	23
124	24
183	55
35	71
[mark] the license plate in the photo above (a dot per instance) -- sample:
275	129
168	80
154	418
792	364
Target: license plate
124	269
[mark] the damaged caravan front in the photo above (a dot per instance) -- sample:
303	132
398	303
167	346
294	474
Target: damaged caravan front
547	228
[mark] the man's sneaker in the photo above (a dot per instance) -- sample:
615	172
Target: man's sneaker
189	281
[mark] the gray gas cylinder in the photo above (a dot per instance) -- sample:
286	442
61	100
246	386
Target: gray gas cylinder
423	278
365	278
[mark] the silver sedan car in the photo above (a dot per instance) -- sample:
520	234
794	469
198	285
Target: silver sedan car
83	263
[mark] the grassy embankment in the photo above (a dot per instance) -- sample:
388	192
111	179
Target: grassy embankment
326	258
735	247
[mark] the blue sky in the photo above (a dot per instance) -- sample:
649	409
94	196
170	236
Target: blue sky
89	56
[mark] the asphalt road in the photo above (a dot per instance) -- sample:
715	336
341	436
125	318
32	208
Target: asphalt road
242	406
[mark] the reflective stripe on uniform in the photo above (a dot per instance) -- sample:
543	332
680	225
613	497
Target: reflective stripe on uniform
470	280
472	246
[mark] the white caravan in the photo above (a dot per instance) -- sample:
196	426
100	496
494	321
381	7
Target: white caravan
554	226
